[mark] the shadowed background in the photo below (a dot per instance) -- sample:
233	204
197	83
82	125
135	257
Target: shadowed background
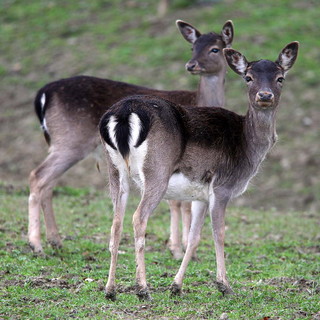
132	41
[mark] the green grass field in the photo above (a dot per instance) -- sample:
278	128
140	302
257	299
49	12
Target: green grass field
272	238
272	263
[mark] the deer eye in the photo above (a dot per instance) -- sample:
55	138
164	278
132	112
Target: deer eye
280	79
214	50
248	78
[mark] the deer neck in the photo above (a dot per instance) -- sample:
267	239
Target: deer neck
211	90
260	131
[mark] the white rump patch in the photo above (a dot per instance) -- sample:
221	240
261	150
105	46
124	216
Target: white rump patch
137	155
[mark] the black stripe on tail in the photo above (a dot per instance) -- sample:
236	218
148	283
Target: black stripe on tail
122	128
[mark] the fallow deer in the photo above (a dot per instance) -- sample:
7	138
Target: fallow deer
199	154
69	111
206	49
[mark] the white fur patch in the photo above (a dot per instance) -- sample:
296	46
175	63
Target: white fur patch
43	100
191	34
111	128
44	122
285	62
181	188
135	128
136	163
241	65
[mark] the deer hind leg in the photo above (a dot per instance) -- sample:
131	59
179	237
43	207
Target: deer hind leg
152	195
174	240
119	190
198	214
42	180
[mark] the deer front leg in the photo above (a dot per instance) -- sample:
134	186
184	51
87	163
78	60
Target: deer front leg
198	214
217	214
174	240
186	222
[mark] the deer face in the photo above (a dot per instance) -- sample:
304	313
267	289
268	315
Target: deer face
207	49
264	78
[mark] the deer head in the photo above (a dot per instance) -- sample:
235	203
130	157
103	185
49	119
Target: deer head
264	77
207	54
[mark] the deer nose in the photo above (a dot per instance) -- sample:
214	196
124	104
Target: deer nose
191	65
265	96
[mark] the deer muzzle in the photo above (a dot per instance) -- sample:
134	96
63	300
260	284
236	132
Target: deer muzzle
265	98
193	67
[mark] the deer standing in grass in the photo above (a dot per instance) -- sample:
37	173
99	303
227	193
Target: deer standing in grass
69	111
206	49
204	155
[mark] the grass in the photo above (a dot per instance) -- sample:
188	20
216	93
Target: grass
272	255
272	261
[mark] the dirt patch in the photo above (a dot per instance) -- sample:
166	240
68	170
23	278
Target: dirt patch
42	282
292	284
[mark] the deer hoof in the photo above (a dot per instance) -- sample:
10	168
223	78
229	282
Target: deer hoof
37	249
111	295
175	289
55	242
224	288
177	254
143	294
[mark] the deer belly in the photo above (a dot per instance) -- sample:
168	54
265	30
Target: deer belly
181	188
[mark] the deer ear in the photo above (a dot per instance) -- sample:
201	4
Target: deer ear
227	33
236	61
190	33
288	56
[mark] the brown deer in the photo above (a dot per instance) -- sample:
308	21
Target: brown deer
206	49
69	111
204	155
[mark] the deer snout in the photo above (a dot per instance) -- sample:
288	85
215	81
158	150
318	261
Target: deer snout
265	96
265	99
192	66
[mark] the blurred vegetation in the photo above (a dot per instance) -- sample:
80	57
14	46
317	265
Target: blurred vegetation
42	41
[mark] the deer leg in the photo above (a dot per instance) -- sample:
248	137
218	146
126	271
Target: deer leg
217	214
186	222
119	190
174	240
198	214
42	180
52	232
152	195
